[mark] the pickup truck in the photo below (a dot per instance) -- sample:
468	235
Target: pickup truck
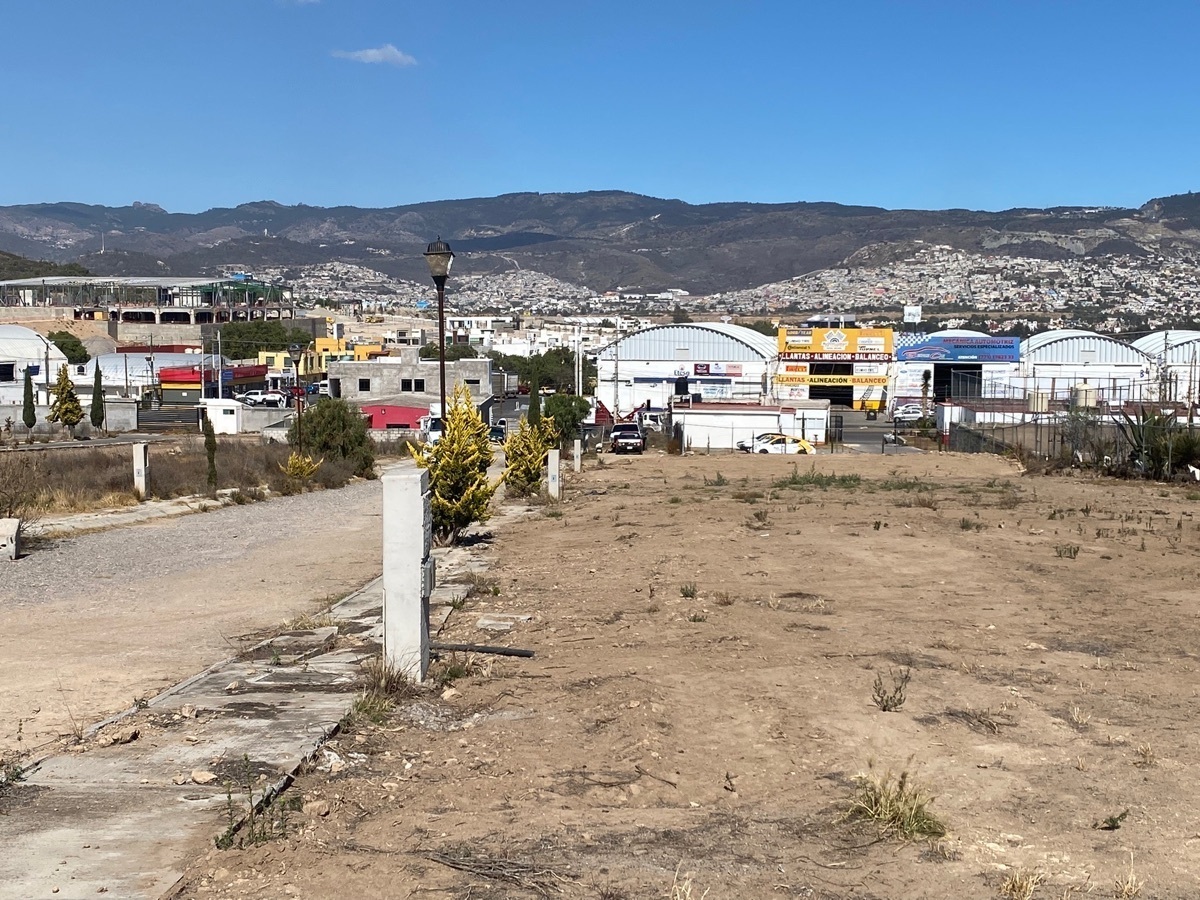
627	437
263	398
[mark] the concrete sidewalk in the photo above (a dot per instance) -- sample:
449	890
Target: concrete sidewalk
123	814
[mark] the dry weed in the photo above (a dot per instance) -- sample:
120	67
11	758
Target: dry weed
1128	886
897	803
1020	885
683	889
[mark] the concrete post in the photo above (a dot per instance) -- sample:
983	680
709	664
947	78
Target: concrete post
141	468
578	456
408	571
10	539
552	466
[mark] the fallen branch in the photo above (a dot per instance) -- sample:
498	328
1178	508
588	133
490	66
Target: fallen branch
673	782
533	878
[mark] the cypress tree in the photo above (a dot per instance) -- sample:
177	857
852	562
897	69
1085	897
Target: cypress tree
210	450
534	416
98	411
29	411
65	406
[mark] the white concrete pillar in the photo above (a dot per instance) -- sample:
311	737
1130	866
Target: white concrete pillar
10	538
578	461
141	468
552	466
408	571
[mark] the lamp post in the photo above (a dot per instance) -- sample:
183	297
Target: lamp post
296	352
440	257
150	363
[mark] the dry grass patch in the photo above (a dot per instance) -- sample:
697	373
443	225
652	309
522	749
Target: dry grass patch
898	804
1021	885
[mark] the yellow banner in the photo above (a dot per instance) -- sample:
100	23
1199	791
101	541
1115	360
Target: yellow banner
833	380
837	342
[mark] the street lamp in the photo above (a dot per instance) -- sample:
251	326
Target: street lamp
440	257
150	363
296	352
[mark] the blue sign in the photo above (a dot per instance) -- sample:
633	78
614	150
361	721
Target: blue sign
226	375
949	348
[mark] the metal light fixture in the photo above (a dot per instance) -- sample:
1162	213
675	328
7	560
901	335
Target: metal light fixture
296	352
440	258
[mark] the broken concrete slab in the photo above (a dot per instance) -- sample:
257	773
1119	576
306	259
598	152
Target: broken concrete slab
500	622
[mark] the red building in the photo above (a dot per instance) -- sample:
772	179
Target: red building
385	415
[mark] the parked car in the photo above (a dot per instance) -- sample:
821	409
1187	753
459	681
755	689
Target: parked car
627	437
263	398
909	412
497	434
782	443
747	445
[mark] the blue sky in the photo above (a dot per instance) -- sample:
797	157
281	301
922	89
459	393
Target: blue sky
964	103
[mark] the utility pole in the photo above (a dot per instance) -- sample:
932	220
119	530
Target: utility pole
617	370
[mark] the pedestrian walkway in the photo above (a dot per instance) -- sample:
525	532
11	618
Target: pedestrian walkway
124	811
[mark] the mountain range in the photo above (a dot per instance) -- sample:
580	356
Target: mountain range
604	240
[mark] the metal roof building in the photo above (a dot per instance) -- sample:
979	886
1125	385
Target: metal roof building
1178	355
1057	363
22	348
700	340
710	360
1177	347
1069	346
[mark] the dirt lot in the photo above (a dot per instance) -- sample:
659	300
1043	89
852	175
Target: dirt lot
662	743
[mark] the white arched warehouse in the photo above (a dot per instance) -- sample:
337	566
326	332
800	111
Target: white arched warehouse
1177	353
20	349
1107	370
715	360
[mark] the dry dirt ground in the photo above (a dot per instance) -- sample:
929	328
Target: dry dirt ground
668	745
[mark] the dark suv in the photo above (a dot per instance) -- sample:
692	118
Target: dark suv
627	437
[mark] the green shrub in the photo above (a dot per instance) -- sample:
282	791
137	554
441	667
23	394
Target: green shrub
334	429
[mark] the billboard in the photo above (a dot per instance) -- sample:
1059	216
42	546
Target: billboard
729	370
836	344
965	348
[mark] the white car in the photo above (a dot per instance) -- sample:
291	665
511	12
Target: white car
263	398
781	443
747	445
909	412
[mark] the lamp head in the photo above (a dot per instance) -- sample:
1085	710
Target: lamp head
440	257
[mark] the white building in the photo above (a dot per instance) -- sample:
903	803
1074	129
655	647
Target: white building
1177	354
24	349
719	426
1067	365
709	360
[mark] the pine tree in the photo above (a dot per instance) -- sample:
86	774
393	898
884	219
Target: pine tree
210	450
29	411
65	406
97	411
458	465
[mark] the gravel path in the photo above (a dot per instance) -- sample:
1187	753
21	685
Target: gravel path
93	621
75	566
